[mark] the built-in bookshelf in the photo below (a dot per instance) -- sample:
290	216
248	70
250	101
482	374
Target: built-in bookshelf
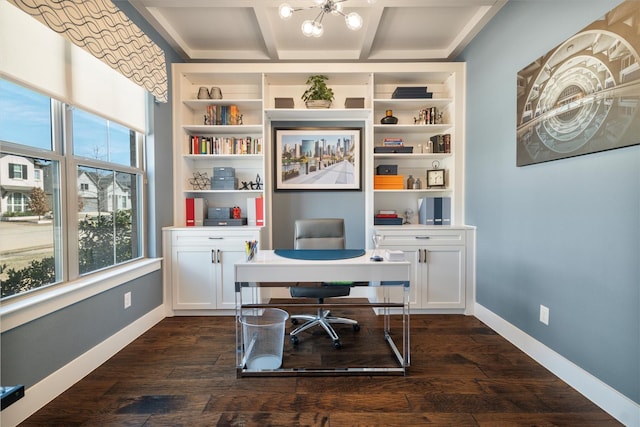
202	142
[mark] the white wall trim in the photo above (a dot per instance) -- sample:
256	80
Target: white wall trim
610	400
50	387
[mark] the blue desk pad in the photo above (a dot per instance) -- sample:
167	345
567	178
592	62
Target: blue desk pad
319	254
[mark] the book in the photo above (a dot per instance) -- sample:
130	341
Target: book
199	211
190	212
425	211
260	211
446	211
393	142
251	211
387	215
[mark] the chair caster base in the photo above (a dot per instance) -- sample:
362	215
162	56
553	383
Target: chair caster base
294	340
337	345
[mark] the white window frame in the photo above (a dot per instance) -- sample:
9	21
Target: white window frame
70	287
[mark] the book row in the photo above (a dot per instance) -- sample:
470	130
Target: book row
222	115
441	143
434	211
224	145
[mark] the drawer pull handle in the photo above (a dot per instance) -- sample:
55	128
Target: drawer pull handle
213	256
216	238
219	256
423	237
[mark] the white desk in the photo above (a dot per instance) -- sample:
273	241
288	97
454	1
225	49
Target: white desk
270	270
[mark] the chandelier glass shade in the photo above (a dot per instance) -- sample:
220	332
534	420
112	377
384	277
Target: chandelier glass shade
313	27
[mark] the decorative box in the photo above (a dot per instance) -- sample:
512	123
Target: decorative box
227	222
411	92
219	213
388	182
224	171
387	170
224	183
284	102
354	103
387	221
393	149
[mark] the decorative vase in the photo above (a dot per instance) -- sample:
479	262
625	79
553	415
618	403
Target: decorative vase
203	93
389	119
410	182
318	103
215	93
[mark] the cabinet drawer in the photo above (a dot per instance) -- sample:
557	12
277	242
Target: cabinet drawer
422	238
213	237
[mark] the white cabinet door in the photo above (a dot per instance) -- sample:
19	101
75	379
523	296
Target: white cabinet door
443	277
227	257
193	277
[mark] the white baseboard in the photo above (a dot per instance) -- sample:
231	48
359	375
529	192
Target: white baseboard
49	388
610	400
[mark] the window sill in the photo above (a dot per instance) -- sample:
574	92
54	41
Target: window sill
22	310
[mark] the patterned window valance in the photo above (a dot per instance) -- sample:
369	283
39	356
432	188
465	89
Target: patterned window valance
100	28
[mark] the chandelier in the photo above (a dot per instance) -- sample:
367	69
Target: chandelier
313	28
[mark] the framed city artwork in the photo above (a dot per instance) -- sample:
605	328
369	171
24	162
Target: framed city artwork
327	159
583	96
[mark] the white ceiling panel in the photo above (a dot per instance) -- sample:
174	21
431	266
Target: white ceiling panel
237	30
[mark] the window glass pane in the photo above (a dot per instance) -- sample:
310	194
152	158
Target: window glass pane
101	139
107	226
29	236
25	116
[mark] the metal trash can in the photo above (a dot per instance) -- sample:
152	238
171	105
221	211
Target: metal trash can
263	339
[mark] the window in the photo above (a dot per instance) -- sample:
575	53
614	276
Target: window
26	116
17	202
104	212
100	139
17	171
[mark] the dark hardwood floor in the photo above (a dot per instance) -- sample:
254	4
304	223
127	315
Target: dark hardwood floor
182	373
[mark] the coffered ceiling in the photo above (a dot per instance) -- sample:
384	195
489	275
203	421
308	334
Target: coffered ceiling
244	30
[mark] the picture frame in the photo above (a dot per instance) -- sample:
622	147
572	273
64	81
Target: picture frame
562	114
317	159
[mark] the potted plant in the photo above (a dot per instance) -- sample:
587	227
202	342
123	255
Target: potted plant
318	94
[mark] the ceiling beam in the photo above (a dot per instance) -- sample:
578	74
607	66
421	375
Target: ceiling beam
267	32
373	20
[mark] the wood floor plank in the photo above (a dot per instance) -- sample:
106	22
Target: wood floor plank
182	373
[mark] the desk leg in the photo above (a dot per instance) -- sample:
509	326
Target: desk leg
406	326
239	352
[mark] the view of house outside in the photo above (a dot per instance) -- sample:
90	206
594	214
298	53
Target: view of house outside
104	166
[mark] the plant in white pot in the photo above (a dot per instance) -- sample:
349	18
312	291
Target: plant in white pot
318	94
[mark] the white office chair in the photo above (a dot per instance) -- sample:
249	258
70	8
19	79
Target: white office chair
320	233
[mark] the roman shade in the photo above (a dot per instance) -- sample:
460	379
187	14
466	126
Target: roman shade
100	28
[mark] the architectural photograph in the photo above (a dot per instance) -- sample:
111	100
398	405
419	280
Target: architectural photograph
320	213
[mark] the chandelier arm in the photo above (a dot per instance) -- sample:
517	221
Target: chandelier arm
318	18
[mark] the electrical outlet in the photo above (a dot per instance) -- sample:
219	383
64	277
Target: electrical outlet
127	300
544	314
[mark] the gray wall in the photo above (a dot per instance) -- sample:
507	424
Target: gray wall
36	349
566	233
289	206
